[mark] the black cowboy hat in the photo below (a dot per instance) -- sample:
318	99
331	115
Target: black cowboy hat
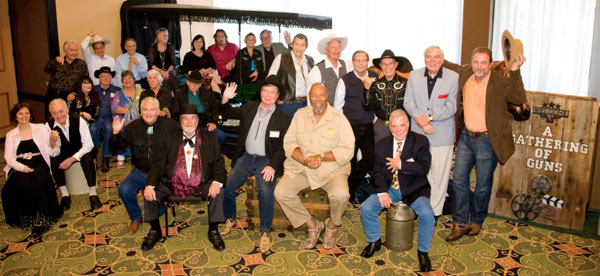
402	61
189	109
270	80
104	69
195	76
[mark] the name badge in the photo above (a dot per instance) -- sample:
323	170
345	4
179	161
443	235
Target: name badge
274	134
112	95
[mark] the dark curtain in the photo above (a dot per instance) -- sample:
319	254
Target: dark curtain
142	29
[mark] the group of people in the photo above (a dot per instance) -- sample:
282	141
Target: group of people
321	125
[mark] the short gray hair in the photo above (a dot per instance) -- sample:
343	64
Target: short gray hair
398	113
158	75
151	99
58	100
431	48
69	42
265	31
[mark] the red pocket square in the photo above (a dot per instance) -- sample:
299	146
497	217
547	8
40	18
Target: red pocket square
443	96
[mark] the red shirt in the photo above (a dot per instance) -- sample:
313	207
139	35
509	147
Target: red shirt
223	57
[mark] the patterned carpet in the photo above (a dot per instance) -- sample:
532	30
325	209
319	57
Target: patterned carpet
97	243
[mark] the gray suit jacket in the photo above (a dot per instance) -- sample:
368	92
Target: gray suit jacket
277	47
442	105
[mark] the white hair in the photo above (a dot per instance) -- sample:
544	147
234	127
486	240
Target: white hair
158	75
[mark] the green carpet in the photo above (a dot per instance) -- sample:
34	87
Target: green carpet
97	243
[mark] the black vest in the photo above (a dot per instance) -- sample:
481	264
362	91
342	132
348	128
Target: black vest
287	75
68	148
353	108
330	79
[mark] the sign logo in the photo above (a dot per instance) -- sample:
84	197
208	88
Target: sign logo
550	111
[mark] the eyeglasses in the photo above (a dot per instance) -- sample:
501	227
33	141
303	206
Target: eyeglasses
360	60
387	64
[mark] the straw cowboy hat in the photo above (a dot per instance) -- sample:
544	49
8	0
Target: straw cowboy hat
324	41
511	48
97	39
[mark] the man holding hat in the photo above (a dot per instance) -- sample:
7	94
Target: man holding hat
198	93
259	151
102	126
329	70
187	163
96	59
386	94
142	136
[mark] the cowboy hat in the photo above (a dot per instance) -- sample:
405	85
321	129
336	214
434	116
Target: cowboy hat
104	69
402	61
189	109
195	76
511	48
324	41
270	80
97	39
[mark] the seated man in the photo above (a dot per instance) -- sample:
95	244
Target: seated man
75	146
259	151
199	92
186	164
318	145
401	178
142	136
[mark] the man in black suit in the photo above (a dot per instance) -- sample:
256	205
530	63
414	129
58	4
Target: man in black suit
402	162
186	164
259	151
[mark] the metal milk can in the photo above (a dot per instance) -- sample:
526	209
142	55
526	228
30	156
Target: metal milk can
399	227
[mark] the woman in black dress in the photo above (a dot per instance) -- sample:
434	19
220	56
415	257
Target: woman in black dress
29	197
85	102
198	58
161	57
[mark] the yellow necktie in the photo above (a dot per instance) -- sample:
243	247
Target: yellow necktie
395	182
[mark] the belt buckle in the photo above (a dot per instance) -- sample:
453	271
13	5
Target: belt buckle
27	155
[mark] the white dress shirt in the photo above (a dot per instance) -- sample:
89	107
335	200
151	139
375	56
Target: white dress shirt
84	131
94	62
340	92
302	76
189	157
395	148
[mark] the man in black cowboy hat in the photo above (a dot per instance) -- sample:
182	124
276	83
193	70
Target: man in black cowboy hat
259	151
386	94
102	126
187	163
198	92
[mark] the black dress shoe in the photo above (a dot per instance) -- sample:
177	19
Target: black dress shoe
215	238
105	164
424	262
151	239
95	202
371	248
65	203
37	231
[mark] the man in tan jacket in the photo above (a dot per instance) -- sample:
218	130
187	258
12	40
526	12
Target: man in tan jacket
318	145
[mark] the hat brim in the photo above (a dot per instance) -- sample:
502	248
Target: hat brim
400	60
193	79
97	73
323	43
511	48
105	41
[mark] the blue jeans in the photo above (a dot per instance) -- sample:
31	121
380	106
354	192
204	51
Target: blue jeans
221	135
128	190
247	165
291	108
478	152
369	213
102	127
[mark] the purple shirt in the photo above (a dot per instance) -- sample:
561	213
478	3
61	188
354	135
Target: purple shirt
223	57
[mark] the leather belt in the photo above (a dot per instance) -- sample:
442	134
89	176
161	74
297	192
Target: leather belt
296	100
476	134
383	122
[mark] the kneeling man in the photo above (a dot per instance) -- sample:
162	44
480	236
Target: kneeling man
318	145
402	162
186	164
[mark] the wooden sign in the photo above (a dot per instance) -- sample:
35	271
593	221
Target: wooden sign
558	141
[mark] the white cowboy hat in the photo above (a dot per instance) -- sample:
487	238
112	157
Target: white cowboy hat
324	41
97	38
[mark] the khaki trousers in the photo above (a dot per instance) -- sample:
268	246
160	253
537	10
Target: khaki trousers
286	194
439	173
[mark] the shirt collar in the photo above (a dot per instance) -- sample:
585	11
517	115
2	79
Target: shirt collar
328	63
366	74
56	123
270	109
438	75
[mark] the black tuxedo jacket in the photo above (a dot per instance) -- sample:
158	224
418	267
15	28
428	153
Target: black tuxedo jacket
278	124
416	160
213	165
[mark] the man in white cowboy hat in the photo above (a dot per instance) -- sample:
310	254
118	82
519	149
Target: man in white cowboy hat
329	70
96	59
